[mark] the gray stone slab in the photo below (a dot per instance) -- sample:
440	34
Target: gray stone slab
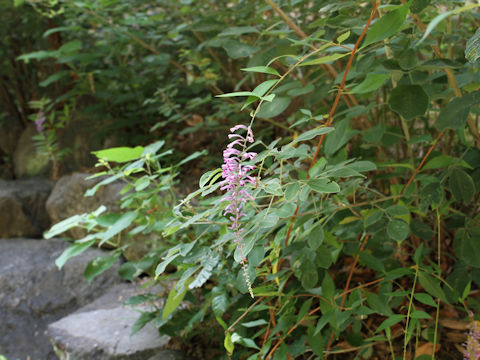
34	293
104	334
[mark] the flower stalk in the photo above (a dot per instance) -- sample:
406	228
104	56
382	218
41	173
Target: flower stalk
236	176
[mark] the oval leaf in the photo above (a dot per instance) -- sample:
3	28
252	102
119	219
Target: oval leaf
409	101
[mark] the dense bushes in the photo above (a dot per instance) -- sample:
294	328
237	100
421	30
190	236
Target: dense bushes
361	228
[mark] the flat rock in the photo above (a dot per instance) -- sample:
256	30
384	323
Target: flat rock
34	293
22	205
102	331
67	199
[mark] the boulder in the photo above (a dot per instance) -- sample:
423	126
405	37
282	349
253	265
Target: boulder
27	162
67	199
22	205
102	331
35	293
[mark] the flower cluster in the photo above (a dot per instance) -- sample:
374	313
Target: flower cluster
472	346
236	176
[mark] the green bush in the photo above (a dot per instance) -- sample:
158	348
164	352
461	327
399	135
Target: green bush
364	224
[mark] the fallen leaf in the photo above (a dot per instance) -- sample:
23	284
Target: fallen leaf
454	324
426	349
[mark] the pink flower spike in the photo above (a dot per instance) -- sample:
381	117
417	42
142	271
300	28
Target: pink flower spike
236	178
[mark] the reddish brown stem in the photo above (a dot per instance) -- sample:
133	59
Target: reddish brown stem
344	79
419	167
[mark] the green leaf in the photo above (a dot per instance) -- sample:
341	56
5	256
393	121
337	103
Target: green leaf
244	341
390	321
340	137
398	230
163	265
408	59
51	31
324	257
397	210
432	286
256	256
174	300
432	194
219	301
325	186
433	24
207	176
472	50
255	323
304	310
418	5
73	250
315	238
324	59
274	108
372	262
262	88
454	114
121	224
208	265
300	91
228	343
343	37
38	55
439	162
310	134
273	187
53	78
193	156
425	299
309	276
65	225
262	69
328	287
371	83
238	93
467	246
119	154
71	46
99	265
418	314
387	25
236	49
291	191
422	230
142	320
409	101
315	341
372	217
239	30
286	210
461	185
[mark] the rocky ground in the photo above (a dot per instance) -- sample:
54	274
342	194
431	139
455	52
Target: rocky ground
47	313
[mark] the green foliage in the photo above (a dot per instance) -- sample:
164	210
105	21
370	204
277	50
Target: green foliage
365	212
